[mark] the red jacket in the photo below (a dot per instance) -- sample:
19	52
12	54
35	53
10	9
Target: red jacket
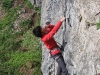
48	38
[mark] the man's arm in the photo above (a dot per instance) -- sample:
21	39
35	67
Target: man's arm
53	31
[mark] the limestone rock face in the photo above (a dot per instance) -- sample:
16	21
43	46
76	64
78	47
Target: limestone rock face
78	34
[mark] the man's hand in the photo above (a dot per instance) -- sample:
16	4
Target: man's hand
63	18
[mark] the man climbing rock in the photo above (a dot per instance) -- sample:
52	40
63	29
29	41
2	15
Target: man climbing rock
46	34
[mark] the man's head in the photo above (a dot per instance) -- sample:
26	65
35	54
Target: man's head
39	31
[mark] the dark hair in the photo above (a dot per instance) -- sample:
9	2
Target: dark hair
37	31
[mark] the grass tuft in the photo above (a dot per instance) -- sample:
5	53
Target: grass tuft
98	25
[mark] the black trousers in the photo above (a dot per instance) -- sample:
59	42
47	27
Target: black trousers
61	70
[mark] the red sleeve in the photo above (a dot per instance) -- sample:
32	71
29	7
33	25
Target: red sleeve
52	32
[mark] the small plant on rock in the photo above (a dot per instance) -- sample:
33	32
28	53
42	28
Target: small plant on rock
98	25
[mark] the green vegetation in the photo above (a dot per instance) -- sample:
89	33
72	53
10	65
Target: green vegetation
7	4
27	2
98	25
17	47
9	18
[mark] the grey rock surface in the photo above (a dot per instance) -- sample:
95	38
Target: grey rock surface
78	34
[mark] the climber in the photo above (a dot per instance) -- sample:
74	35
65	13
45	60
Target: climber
46	34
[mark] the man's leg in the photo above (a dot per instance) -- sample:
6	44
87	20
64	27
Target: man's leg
59	70
62	65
